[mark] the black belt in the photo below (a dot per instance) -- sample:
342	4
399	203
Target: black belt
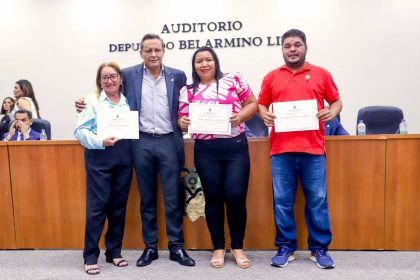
156	135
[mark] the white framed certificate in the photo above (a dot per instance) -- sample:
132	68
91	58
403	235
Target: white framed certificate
296	115
121	124
210	118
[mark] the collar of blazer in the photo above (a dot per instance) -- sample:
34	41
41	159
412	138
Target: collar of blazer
143	68
169	80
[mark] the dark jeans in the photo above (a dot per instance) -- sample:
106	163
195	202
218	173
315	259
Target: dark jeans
223	166
311	169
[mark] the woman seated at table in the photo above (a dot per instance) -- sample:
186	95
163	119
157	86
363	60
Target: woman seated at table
25	99
6	107
108	166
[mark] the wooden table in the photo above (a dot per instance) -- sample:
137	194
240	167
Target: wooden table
373	189
7	232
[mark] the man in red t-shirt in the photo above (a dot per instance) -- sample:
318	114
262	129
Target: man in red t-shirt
298	148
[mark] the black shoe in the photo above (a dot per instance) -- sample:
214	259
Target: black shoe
149	255
181	257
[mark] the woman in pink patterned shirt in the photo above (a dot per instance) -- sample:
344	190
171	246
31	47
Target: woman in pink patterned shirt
222	161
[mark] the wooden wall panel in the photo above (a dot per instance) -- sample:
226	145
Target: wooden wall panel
132	237
402	211
196	233
48	186
48	182
260	231
7	232
356	179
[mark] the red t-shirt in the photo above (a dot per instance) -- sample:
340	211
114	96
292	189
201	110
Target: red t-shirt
310	82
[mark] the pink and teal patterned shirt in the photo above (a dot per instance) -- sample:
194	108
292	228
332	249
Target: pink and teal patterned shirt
233	89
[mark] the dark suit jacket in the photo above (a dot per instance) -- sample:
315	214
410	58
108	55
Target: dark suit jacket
33	135
334	127
175	80
4	124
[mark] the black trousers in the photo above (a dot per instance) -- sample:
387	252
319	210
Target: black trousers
223	166
108	178
153	155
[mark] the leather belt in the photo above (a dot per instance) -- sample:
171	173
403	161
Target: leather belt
156	135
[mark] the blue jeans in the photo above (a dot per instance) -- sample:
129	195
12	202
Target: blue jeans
311	170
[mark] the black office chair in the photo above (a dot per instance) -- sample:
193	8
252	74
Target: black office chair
381	119
256	126
39	124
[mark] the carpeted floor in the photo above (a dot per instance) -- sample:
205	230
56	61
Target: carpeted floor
68	264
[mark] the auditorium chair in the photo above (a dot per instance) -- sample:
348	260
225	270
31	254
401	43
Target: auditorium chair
381	119
39	124
256	126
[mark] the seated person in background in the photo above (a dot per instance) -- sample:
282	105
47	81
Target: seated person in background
334	127
249	132
255	127
20	130
25	99
6	107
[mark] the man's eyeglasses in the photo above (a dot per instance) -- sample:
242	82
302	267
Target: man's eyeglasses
112	77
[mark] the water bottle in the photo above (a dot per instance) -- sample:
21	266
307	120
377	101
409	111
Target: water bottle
43	135
361	128
403	127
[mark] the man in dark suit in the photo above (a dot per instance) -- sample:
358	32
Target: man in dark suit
152	89
334	127
20	130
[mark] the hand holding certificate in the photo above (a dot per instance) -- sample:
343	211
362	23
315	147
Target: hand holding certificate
122	125
296	115
210	118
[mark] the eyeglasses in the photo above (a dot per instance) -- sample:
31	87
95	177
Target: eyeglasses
112	77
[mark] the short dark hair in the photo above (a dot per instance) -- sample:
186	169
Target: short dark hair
294	33
23	111
150	36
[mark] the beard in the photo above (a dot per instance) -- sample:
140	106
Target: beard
295	64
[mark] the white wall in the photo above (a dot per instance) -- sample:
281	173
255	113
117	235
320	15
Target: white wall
370	47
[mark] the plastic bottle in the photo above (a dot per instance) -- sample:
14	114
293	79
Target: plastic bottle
43	135
361	128
403	127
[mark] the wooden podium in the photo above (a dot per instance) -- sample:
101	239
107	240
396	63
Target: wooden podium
373	193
